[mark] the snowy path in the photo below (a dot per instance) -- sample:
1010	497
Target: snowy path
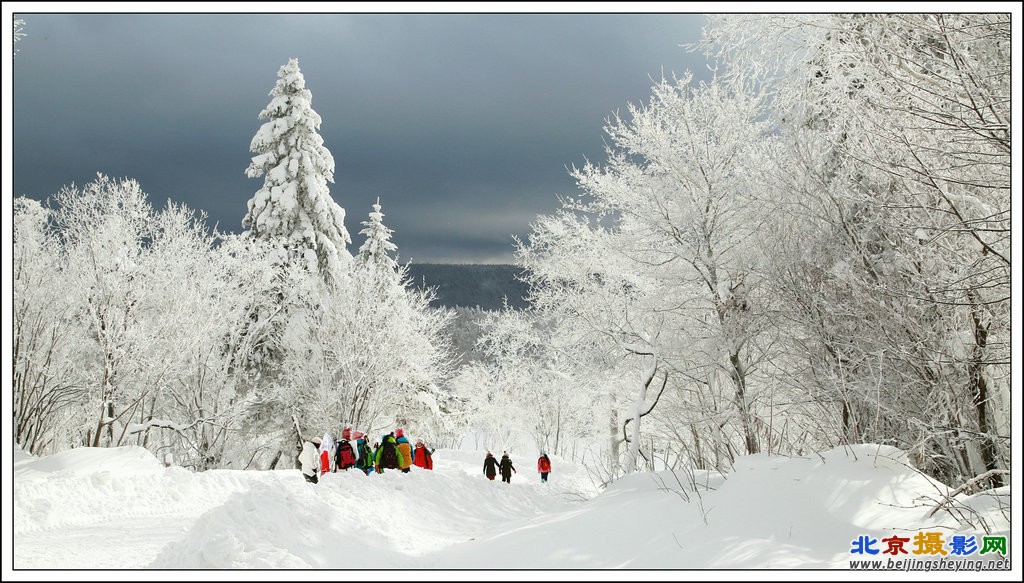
114	544
120	509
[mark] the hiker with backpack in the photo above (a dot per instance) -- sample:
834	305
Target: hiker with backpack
337	447
388	456
364	459
346	456
421	456
405	461
490	466
543	466
506	468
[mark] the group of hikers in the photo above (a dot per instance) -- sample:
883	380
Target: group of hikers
392	452
492	466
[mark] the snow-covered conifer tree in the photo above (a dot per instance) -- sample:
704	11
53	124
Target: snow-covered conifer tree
378	245
374	353
294	205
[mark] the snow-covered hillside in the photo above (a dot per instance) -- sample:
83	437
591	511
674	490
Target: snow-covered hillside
121	509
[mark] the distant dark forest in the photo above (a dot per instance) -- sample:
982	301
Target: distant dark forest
471	285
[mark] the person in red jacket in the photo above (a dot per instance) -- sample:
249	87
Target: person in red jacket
544	466
422	457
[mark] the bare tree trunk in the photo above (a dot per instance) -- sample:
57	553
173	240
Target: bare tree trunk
739	379
558	427
99	426
641	399
851	432
613	435
719	439
980	392
298	431
110	423
697	459
277	458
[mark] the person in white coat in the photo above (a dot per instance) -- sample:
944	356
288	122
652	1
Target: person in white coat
309	460
326	461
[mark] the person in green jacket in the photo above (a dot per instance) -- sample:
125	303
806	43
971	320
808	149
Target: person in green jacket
364	459
388	455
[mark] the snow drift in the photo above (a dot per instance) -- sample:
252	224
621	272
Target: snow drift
771	512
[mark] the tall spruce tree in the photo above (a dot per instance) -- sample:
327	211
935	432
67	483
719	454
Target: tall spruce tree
294	206
294	215
377	246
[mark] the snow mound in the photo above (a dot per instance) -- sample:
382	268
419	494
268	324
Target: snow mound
86	486
116	461
390	520
769	512
20	455
247	531
679	480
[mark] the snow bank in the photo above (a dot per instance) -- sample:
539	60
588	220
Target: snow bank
353	521
770	512
89	486
85	460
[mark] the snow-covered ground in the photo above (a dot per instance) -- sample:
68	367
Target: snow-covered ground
121	509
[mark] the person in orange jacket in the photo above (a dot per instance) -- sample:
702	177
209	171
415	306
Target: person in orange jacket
403	447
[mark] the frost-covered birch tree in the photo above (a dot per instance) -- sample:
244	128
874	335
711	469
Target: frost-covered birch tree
660	253
128	325
44	383
693	206
899	132
103	228
198	414
374	353
581	280
522	391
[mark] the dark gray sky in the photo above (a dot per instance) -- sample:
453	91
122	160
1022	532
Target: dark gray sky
463	124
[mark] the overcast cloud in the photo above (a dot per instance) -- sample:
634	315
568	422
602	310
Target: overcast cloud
463	124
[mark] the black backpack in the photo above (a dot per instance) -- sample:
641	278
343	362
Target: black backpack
388	455
346	459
